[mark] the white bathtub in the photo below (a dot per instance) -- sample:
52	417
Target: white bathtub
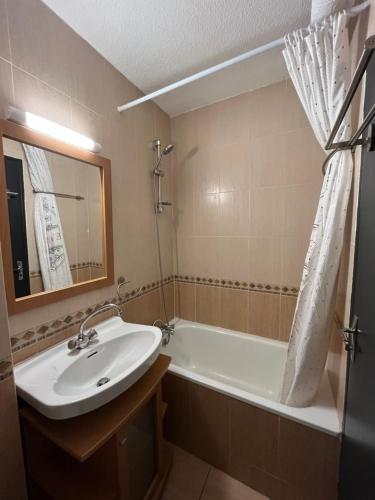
245	367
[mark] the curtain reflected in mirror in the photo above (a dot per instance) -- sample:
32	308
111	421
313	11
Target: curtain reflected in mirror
56	219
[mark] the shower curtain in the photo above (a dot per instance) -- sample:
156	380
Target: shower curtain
319	65
53	257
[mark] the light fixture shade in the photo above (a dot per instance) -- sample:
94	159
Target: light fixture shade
52	129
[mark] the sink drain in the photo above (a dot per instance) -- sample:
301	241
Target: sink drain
102	381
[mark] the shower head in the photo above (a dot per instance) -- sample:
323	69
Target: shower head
167	149
156	146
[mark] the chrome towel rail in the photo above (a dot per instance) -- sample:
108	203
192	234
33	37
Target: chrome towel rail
356	139
60	195
357	78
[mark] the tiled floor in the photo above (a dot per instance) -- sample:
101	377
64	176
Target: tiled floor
192	479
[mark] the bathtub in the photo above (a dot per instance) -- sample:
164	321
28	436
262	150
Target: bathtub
245	367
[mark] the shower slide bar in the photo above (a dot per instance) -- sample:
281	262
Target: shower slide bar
354	11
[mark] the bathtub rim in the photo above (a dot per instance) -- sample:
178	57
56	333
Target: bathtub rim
321	416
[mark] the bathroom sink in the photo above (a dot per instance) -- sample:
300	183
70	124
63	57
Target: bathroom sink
61	383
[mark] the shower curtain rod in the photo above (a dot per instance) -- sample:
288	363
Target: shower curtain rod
201	74
354	11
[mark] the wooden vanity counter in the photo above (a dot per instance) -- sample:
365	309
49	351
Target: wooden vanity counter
68	458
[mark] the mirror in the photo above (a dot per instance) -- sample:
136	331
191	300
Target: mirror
57	211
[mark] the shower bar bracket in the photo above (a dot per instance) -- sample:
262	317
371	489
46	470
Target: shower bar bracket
60	195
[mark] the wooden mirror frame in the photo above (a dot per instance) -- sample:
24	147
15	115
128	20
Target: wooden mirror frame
19	133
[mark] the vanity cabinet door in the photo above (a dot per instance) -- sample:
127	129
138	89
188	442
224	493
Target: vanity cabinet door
137	454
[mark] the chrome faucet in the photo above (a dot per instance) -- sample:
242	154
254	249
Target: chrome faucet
166	331
83	339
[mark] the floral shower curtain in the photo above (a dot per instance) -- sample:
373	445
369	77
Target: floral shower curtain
53	257
318	62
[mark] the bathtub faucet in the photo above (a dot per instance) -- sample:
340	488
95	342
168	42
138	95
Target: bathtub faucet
166	331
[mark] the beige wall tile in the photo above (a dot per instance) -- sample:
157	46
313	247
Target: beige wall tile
83	274
234	213
235	309
187	256
207	214
265	259
209	413
87	122
185	300
183	209
36	284
208	251
304	157
294	114
228	121
267	211
145	309
232	161
169	302
310	460
6	89
248	180
287	308
33	95
206	171
264	315
41	43
4	40
261	429
269	168
293	257
44	344
208	304
269	115
176	393
87	65
234	261
239	195
301	203
276	456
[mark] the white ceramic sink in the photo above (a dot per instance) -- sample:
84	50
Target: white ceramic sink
62	384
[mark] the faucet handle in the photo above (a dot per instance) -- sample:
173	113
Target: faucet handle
72	344
92	334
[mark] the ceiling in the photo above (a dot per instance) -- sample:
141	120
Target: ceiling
156	42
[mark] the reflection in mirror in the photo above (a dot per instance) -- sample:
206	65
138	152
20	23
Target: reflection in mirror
56	239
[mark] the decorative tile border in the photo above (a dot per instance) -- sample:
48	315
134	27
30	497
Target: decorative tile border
6	368
79	265
239	285
31	336
36	334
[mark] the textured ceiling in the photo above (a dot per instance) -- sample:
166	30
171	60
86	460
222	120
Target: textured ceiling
156	42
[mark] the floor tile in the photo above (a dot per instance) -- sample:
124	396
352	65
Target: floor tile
187	477
220	486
